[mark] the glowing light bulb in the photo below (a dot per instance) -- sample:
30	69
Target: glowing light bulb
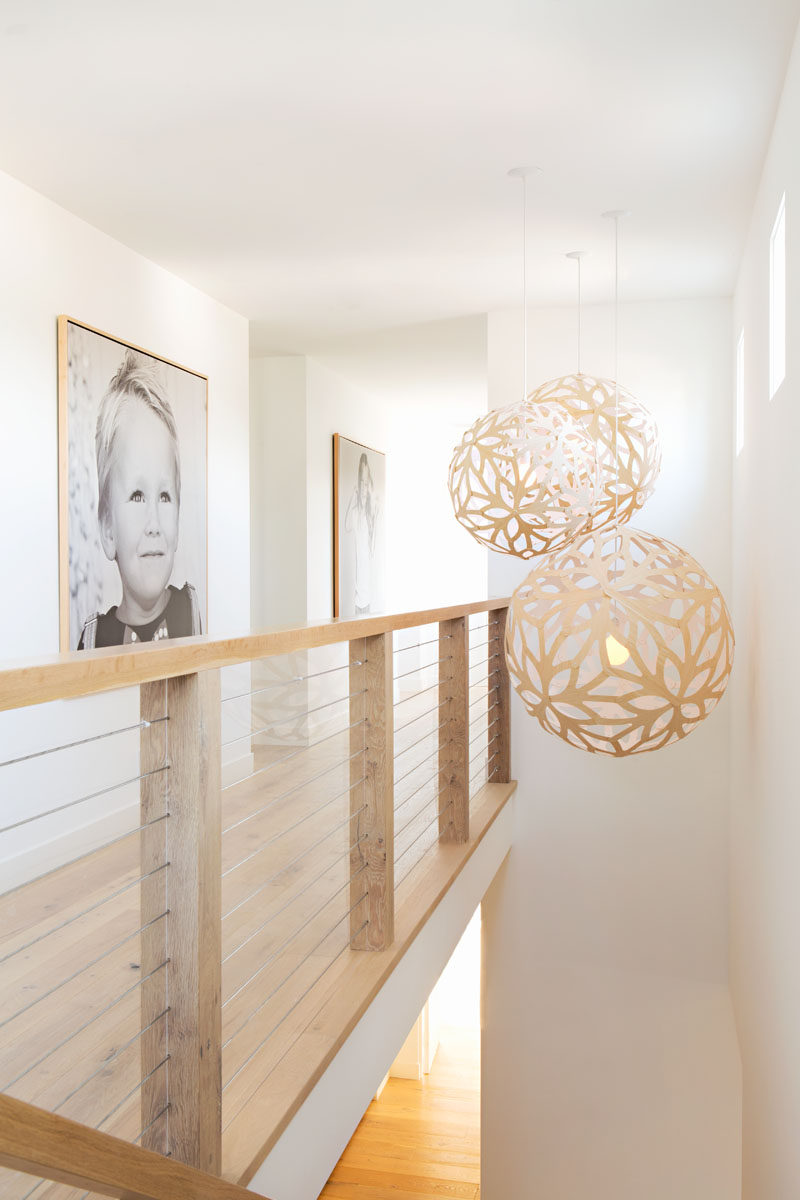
617	653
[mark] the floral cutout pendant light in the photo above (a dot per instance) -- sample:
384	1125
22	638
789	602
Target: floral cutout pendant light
620	643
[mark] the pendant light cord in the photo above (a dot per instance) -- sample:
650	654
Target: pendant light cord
616	372
576	256
616	214
579	314
523	173
524	286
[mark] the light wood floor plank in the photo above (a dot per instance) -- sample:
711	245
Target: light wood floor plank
420	1140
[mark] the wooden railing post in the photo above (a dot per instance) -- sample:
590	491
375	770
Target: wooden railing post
193	972
453	736
153	954
500	737
372	860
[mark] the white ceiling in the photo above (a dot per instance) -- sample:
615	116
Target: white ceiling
334	166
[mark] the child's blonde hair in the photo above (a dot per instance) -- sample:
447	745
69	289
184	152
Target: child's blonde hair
135	380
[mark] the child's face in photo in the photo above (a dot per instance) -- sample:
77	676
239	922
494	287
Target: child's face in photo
364	485
141	527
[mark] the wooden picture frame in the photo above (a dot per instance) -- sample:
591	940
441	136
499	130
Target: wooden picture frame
359	539
133	564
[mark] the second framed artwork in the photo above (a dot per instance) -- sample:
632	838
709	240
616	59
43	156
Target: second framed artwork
132	434
359	528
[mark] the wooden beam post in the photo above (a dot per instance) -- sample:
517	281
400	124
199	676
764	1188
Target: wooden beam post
500	735
153	952
453	736
372	860
195	921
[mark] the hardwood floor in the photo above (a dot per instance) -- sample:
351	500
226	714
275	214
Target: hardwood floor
419	1140
70	944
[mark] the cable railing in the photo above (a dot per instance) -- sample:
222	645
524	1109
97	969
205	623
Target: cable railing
265	821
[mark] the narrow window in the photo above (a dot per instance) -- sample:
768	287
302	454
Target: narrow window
777	300
740	394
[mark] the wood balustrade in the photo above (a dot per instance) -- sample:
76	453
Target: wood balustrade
180	681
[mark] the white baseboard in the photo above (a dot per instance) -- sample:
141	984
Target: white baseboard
48	855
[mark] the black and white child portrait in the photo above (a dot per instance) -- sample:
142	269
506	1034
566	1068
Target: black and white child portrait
134	548
361	486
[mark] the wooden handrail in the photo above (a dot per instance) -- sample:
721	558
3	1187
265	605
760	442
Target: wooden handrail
41	1143
86	672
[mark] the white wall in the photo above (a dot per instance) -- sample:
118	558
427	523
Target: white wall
408	392
54	263
278	436
610	1064
411	393
765	827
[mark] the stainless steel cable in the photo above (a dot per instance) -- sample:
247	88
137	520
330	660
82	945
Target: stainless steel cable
484	696
357	662
405	876
416	695
276	837
399	832
285	757
87	967
286	979
132	1092
427	713
481	661
260	928
327	704
298	787
480	682
478	643
438	815
40	1183
84	912
292	679
279	950
424	737
483	732
117	1000
290	1011
484	750
110	1059
293	861
431	779
484	766
251	733
423	667
430	642
98	850
268	687
97	737
114	787
421	763
149	1126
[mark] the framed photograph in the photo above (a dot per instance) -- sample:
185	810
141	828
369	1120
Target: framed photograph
359	538
132	486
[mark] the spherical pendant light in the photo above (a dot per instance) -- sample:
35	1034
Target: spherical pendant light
626	436
620	643
524	479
